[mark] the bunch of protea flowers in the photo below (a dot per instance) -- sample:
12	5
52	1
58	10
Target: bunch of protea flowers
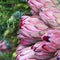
39	34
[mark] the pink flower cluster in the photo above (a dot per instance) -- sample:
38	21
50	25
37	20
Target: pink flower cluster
39	34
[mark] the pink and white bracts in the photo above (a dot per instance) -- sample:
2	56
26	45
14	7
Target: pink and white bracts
44	50
31	29
25	54
43	27
52	36
36	5
44	46
39	51
50	16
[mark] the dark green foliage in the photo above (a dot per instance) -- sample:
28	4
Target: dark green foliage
10	26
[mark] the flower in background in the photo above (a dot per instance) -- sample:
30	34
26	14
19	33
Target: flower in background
36	5
51	16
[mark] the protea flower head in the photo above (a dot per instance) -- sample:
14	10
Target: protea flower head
50	16
36	5
26	54
31	29
46	51
52	36
32	26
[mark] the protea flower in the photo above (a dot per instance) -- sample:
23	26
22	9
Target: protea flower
50	16
25	54
44	50
31	29
36	5
39	51
52	36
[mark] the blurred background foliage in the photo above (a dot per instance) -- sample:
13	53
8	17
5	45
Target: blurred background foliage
10	13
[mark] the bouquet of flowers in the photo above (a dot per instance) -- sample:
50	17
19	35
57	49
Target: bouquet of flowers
39	34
